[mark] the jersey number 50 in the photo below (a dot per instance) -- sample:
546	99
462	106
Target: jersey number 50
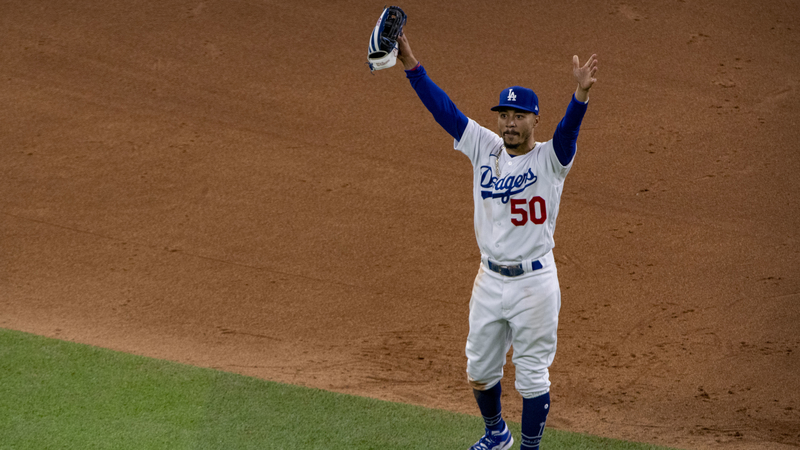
537	215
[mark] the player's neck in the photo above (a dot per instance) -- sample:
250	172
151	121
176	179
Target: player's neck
520	150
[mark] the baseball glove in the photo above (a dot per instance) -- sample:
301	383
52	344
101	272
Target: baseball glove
383	41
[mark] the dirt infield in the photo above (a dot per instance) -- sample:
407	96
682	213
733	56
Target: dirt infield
224	184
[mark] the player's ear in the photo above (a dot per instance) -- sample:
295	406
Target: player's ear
535	120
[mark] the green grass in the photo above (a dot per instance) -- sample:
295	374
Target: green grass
61	395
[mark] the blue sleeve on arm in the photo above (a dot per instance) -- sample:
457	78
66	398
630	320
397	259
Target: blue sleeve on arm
566	135
438	103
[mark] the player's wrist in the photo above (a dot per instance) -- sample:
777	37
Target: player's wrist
581	94
410	63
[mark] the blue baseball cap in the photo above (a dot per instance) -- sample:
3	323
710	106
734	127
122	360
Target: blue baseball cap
518	97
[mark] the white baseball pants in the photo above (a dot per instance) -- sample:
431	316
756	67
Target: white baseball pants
521	311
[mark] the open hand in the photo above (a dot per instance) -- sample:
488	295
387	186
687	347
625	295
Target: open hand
585	75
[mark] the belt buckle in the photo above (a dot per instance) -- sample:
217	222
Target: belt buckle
509	271
513	271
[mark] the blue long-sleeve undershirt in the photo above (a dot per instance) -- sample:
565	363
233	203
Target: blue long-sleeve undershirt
453	121
566	136
438	103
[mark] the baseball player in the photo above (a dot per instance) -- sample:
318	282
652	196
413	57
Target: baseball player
517	185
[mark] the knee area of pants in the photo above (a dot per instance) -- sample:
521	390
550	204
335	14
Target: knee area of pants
532	391
483	384
532	386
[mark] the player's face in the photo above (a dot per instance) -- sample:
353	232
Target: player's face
516	129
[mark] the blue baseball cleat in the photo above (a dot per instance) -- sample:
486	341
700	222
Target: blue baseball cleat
495	440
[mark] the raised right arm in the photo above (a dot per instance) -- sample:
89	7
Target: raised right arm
433	97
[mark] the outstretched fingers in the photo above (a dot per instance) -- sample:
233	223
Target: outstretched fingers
592	63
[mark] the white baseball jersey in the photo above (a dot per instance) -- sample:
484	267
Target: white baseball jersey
516	199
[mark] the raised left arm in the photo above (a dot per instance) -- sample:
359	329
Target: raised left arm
566	135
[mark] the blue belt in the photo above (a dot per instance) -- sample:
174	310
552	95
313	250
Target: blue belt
512	270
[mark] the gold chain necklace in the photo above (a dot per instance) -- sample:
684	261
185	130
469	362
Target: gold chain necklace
497	162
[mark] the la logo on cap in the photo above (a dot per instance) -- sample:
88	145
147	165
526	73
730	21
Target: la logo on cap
512	97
